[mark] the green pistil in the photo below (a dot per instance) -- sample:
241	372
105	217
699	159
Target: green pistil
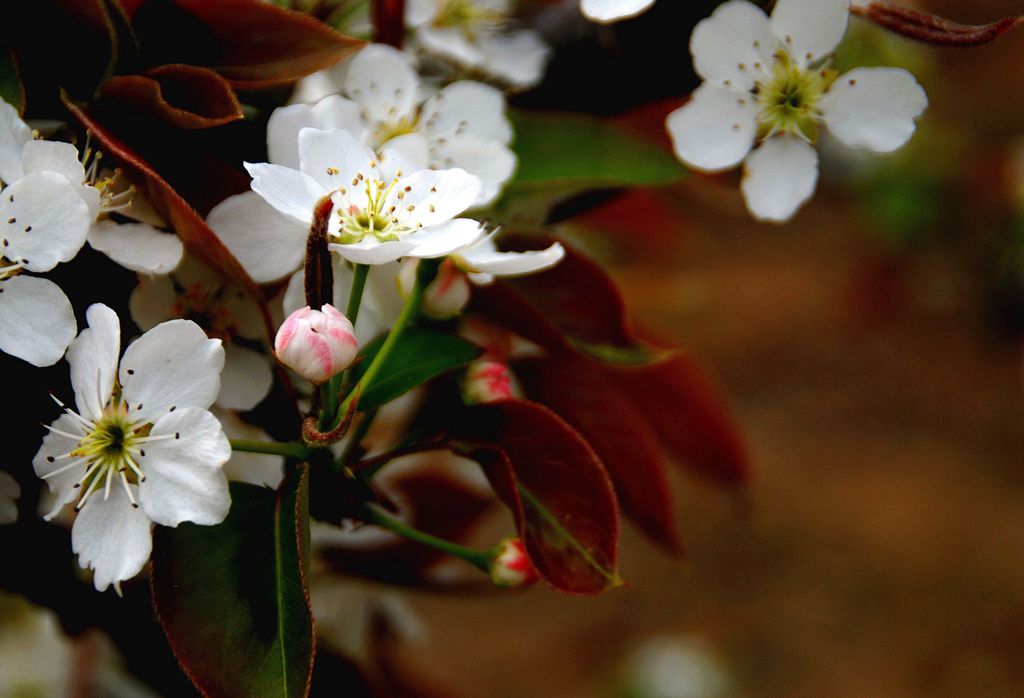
789	99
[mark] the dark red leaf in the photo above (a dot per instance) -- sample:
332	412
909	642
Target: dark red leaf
186	96
690	415
563	500
932	29
609	419
256	44
189	225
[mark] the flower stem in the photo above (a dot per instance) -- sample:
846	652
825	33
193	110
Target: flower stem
409	310
289	449
388	22
478	558
332	388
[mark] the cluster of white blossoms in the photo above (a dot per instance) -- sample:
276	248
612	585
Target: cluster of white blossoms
51	204
768	87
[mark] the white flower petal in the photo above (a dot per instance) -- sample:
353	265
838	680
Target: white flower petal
383	81
53	156
810	29
291	192
369	250
92	357
436	195
247	315
484	257
43	220
333	157
137	246
50	458
36	320
728	45
380	304
605	11
715	130
874	108
409	152
488	159
152	301
323	83
517	57
14	134
451	44
469	108
285	123
246	378
446	238
779	177
268	244
112	538
184	476
173	365
419	12
9	493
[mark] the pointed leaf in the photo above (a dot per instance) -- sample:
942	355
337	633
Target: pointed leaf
11	89
562	500
233	599
418	356
185	96
618	431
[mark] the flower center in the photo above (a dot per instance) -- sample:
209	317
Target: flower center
374	207
8	268
467	17
386	130
789	98
208	309
111	448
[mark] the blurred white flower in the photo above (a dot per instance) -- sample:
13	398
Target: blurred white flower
142	434
195	292
768	87
480	37
9	493
383	104
669	667
607	11
383	206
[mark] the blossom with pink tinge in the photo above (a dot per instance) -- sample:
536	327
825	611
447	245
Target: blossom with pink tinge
511	566
487	381
445	297
316	344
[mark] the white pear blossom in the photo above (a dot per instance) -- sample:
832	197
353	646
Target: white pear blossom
483	260
9	493
479	37
195	292
768	87
141	447
50	207
383	104
607	11
382	207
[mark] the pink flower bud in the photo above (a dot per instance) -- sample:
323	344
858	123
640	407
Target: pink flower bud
511	566
316	344
487	381
445	296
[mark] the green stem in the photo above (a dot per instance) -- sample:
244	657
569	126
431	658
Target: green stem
332	388
478	558
409	310
289	449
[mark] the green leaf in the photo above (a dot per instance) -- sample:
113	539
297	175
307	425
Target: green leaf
577	151
419	356
11	89
232	598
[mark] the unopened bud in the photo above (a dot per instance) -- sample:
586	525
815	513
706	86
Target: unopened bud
316	344
511	566
487	381
445	296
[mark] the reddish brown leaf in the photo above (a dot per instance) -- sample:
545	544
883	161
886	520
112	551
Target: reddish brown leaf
609	419
563	499
688	412
189	225
258	44
932	29
185	96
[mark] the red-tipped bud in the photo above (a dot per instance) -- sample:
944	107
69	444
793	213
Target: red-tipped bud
487	381
316	344
511	566
446	296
